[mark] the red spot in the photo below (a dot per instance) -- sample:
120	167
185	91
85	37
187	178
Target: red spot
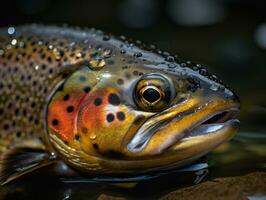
62	116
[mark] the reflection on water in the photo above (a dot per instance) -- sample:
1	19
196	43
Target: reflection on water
234	164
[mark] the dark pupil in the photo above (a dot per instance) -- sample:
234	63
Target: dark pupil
151	95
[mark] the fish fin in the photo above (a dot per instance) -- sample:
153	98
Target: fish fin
19	161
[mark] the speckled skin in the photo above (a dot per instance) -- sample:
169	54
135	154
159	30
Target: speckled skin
36	59
31	60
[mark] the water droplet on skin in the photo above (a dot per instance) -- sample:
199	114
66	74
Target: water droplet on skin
138	54
93	136
1	52
107	53
170	59
138	42
36	67
214	87
78	55
72	44
123	51
183	65
106	37
57	54
97	64
122	37
203	71
166	53
21	44
14	42
11	30
9	46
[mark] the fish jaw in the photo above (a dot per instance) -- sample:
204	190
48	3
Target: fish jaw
186	130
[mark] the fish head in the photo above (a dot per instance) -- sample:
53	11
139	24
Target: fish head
139	117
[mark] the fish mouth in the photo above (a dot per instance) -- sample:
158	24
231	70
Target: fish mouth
194	131
214	123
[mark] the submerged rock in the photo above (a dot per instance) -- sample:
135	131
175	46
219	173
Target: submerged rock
240	187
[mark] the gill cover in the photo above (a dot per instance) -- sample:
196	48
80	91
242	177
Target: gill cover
87	115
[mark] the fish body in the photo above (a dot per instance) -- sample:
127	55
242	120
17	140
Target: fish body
104	105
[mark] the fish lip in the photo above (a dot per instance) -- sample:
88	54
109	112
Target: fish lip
211	128
186	134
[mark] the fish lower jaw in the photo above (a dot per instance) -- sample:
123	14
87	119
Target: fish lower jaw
214	124
209	129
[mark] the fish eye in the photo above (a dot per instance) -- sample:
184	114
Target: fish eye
153	92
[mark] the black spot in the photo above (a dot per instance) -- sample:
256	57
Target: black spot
120	116
70	109
10	105
97	101
18	134
86	89
110	117
6	127
77	137
43	56
44	67
136	73
120	81
82	78
55	122
49	59
17	111
1	111
33	104
13	124
66	97
114	99
84	130
95	146
36	121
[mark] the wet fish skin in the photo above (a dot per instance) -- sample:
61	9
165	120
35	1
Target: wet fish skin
58	82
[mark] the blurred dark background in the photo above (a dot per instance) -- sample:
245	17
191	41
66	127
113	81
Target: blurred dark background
229	36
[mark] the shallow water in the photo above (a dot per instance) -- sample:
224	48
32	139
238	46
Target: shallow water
242	159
